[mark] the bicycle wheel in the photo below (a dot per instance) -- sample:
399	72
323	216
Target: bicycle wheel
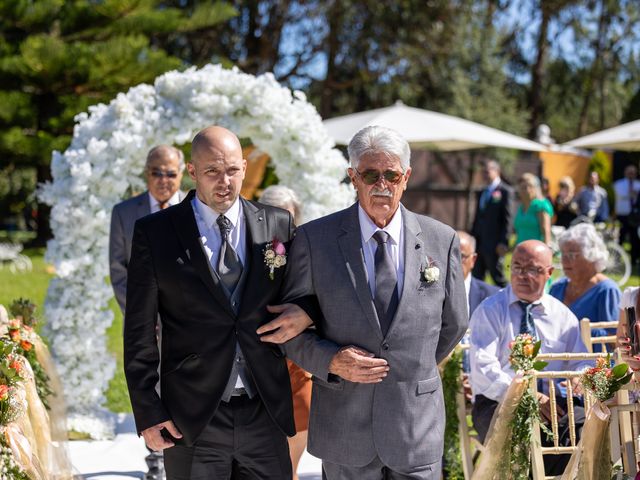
619	264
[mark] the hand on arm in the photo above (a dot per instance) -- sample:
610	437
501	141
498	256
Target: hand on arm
357	365
154	439
292	321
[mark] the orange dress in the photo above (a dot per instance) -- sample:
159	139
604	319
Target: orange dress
301	390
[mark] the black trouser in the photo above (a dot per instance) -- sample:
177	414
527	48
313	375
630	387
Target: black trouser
482	413
241	442
494	264
626	229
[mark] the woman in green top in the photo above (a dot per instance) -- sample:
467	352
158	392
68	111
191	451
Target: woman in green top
533	220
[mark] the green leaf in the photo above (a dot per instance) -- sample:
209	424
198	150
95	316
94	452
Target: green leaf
540	364
620	370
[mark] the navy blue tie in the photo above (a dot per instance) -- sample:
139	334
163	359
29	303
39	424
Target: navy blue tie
526	322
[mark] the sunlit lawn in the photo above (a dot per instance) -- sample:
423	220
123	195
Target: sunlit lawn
33	285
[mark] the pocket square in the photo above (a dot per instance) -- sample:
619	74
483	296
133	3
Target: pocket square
180	261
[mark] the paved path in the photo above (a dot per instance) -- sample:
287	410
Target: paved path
123	457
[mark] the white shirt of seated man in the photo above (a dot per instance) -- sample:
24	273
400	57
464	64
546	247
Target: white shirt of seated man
497	320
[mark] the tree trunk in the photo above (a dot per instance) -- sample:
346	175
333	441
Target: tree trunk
537	72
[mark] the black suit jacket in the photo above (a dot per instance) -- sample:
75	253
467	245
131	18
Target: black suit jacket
170	274
478	291
493	224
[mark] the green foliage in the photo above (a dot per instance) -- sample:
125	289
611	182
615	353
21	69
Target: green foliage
57	58
451	385
26	309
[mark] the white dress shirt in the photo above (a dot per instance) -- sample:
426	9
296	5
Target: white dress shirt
395	247
155	205
211	239
467	289
496	322
210	235
625	195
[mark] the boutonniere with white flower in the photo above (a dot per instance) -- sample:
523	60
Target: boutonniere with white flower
275	256
431	272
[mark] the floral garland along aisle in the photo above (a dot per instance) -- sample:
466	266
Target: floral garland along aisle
105	159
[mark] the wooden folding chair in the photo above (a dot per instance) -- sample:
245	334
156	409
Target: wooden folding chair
586	330
469	444
537	450
625	429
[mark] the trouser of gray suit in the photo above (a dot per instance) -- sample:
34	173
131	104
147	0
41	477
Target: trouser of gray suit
376	470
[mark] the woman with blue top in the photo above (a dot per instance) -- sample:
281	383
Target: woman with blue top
533	219
584	288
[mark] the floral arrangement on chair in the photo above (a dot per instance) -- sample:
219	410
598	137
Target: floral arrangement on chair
603	381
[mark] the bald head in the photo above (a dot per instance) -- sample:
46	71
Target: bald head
218	167
531	267
214	138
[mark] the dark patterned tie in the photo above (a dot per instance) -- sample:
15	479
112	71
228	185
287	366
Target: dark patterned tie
386	300
526	322
229	266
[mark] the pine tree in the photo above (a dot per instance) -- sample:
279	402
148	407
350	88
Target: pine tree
58	57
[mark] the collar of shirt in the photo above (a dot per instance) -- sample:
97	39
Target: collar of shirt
540	302
210	217
494	184
155	205
368	228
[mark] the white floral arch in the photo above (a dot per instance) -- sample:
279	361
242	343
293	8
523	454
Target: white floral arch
105	158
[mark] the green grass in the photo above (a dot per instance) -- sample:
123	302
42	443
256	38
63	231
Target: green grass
33	285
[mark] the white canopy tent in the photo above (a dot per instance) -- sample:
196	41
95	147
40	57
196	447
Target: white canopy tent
427	129
622	137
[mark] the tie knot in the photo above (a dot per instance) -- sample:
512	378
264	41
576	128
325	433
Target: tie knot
381	237
225	225
526	306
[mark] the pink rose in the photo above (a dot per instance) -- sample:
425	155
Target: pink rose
278	247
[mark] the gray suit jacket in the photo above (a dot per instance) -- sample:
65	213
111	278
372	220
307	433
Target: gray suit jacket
400	419
123	218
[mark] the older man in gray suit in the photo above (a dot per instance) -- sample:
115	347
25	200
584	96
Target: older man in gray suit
391	305
163	172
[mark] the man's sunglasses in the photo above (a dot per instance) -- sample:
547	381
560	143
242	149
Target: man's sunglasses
160	174
371	177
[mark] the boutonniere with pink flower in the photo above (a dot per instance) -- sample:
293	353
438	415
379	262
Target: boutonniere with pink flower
431	273
496	196
275	256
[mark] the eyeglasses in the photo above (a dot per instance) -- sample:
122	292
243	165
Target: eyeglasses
161	174
528	271
371	177
570	256
464	256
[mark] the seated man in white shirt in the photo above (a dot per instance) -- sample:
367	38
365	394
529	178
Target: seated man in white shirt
521	307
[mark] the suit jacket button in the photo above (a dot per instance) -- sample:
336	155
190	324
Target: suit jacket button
385	346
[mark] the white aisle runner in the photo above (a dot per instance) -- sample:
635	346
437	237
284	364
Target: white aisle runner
123	457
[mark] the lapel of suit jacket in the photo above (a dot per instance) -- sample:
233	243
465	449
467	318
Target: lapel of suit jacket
414	262
257	237
350	242
144	207
184	222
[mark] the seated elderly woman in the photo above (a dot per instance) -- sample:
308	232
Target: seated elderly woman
585	289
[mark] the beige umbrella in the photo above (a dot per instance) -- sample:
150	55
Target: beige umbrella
622	137
427	129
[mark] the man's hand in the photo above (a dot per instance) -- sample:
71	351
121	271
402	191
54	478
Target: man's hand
357	365
575	384
292	321
545	407
155	441
466	387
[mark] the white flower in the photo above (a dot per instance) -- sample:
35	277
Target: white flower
431	273
104	161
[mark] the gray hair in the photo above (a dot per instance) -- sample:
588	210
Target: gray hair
282	197
467	237
591	244
375	139
163	150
